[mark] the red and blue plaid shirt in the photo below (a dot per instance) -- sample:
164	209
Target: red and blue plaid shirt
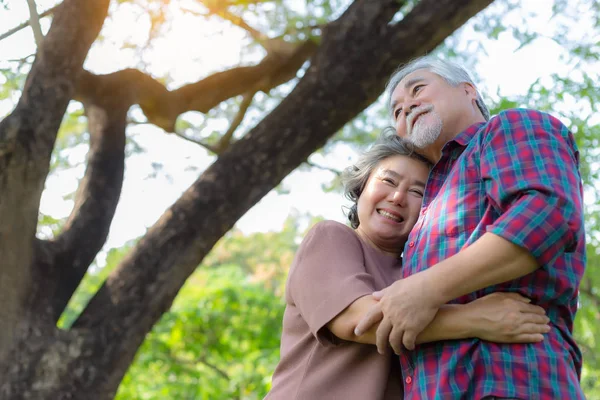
516	176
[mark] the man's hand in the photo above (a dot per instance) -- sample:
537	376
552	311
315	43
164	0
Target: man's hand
407	307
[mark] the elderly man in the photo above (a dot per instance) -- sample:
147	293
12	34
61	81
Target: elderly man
502	211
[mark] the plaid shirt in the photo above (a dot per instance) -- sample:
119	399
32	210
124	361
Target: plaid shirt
517	177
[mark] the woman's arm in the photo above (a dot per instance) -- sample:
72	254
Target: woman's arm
497	317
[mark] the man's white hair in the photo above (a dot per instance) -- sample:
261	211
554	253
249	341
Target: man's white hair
452	73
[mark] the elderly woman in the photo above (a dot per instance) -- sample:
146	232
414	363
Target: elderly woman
337	268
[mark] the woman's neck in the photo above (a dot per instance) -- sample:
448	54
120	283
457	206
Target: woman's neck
391	250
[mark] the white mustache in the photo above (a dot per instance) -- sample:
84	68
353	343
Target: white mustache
416	112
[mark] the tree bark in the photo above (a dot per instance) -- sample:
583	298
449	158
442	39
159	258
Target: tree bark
26	140
358	53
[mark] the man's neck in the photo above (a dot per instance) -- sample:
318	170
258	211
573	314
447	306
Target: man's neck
434	152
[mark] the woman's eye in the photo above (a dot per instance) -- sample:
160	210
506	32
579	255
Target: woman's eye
417	192
388	180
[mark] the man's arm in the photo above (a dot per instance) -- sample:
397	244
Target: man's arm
530	170
489	261
498	317
447	324
529	166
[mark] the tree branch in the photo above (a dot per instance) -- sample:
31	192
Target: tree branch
193	363
61	263
162	107
324	168
329	94
237	120
27	138
199	143
25	24
236	21
34	21
271	45
274	45
21	61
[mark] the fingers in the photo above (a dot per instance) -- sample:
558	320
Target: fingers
408	339
528	338
383	334
535	319
379	294
518	297
528	333
373	316
532	309
534	328
396	340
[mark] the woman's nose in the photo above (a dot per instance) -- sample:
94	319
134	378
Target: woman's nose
398	197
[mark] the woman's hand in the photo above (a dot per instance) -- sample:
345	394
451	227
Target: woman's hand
508	318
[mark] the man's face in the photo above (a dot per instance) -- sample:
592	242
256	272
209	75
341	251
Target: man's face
429	111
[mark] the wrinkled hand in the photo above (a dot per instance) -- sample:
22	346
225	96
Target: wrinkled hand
508	318
407	308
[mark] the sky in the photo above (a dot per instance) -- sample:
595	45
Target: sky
155	178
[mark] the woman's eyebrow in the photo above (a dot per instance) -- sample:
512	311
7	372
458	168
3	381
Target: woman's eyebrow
419	182
396	175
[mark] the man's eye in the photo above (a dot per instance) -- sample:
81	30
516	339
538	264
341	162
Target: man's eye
397	113
417	88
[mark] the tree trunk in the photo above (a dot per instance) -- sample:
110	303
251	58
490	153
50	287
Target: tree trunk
348	71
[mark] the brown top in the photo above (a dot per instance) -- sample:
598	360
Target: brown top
332	269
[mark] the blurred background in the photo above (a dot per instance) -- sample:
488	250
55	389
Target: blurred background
220	340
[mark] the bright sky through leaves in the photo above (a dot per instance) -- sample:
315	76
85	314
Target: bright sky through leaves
191	50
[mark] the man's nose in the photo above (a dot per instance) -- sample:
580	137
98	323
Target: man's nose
411	106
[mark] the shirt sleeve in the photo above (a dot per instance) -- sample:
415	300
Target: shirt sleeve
530	166
327	276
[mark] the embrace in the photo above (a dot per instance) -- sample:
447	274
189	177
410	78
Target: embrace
459	275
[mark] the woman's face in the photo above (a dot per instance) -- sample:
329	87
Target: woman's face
389	205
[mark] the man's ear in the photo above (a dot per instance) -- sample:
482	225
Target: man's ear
470	90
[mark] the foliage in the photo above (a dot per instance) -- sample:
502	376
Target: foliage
220	338
264	257
219	341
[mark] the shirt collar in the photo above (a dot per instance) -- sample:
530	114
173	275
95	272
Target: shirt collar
465	136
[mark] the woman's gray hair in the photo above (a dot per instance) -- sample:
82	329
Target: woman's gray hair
355	177
452	73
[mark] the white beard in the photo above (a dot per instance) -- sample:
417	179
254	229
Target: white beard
424	134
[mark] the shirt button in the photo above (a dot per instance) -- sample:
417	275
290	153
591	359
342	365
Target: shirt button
411	244
408	380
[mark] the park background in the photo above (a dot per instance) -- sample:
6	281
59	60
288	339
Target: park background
220	338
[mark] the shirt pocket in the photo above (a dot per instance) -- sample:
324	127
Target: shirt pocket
461	206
